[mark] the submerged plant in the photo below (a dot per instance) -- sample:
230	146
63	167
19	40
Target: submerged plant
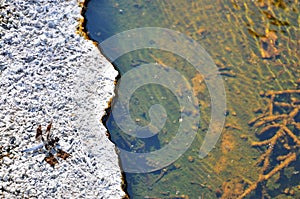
278	129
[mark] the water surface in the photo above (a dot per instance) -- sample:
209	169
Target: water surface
256	47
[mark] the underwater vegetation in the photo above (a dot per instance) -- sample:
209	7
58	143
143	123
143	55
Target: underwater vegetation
255	45
278	128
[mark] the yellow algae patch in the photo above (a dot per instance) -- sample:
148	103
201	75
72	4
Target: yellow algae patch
228	143
232	188
221	165
80	29
268	47
198	84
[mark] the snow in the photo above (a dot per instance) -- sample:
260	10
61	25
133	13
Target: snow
48	73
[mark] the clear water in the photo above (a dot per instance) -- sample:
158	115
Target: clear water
233	33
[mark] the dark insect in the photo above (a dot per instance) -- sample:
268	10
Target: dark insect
50	144
50	159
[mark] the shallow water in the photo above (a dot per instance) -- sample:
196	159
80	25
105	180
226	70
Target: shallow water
255	46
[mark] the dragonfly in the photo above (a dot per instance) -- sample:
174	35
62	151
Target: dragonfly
50	145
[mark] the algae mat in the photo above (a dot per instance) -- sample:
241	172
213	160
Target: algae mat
255	46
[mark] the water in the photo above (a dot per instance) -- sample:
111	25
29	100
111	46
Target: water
255	45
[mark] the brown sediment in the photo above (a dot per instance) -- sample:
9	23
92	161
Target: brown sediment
281	125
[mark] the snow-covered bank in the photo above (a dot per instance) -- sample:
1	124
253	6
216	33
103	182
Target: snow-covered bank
50	73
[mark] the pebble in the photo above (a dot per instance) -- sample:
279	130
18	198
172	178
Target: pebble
191	159
244	137
261	93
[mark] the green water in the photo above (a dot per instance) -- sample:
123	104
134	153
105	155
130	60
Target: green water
232	33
